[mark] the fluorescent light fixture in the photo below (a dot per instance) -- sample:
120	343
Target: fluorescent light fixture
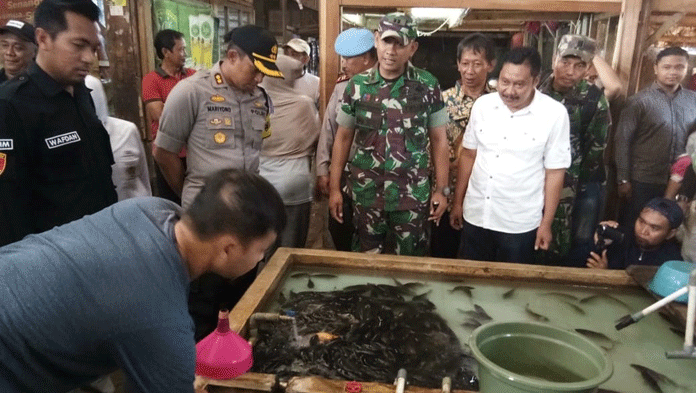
354	19
451	16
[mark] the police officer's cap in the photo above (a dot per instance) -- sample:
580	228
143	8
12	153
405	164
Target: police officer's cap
21	29
259	44
354	42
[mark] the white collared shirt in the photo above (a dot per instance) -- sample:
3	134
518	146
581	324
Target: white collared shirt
513	150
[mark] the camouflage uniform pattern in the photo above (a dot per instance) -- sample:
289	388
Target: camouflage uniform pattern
587	155
409	227
458	106
399	25
390	169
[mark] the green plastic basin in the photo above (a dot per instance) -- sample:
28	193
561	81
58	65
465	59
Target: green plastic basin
517	357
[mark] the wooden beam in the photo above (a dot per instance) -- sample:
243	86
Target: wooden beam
143	15
688	20
311	4
329	28
630	35
284	19
529	5
674	5
504	16
664	28
672	39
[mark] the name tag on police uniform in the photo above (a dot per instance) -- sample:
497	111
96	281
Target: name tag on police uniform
6	144
62	140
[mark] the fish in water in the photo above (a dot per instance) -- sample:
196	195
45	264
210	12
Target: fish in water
653	378
422	296
575	307
508	294
478	313
600	338
471	323
535	316
281	298
463	288
599	296
323	275
561	295
369	324
680	332
409	286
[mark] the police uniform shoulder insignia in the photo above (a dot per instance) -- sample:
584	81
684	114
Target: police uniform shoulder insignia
267	128
227	121
3	162
217	98
218	79
215	121
258	104
220	138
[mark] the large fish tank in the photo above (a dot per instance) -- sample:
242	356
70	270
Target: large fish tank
580	300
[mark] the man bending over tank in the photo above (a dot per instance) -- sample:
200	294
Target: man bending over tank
109	291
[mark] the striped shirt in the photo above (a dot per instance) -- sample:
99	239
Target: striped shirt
652	133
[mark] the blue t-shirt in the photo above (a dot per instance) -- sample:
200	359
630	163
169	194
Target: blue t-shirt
104	292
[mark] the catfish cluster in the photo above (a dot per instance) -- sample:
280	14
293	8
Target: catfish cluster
375	331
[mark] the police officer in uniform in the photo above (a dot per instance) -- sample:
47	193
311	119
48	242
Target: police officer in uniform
55	155
221	115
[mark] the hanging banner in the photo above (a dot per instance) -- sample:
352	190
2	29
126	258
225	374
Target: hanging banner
196	22
17	9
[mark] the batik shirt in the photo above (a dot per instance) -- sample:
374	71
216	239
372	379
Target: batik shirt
458	106
391	119
588	135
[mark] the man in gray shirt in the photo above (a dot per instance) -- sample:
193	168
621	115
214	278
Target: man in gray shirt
652	133
109	291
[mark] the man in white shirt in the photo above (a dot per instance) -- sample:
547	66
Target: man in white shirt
306	84
515	151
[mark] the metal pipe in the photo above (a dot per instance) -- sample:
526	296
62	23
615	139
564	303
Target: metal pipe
263	317
446	385
400	381
689	351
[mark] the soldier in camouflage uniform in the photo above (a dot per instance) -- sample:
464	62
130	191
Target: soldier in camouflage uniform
475	60
394	111
582	197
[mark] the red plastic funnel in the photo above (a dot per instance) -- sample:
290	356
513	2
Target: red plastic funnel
223	354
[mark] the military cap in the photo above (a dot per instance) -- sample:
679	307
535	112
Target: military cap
259	44
354	42
23	30
577	45
399	25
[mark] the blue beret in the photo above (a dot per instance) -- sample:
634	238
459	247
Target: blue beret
354	41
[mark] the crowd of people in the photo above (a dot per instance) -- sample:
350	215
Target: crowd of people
513	172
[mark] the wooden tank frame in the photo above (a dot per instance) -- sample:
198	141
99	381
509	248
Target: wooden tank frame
260	293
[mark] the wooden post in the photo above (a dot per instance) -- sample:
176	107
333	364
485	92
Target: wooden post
632	29
284	19
122	38
329	28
